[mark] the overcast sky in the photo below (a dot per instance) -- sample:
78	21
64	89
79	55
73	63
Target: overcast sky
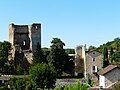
75	22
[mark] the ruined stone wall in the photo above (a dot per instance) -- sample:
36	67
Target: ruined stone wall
79	60
21	37
35	35
11	34
84	62
26	37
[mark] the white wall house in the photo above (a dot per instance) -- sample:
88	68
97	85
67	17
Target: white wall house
109	76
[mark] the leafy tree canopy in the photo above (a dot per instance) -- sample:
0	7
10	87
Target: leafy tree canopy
43	76
57	55
38	55
92	48
70	51
115	44
4	49
113	47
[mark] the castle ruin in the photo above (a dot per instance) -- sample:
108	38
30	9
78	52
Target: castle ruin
24	38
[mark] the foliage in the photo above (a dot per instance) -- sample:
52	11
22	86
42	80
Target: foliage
115	44
76	86
19	70
4	49
111	54
115	58
46	52
4	88
100	48
90	82
20	63
105	57
70	51
105	53
69	66
111	51
8	69
43	76
114	48
38	55
57	55
18	84
92	48
116	86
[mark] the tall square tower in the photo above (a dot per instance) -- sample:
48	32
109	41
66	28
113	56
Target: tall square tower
23	39
26	36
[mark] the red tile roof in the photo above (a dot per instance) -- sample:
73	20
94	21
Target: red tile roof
107	69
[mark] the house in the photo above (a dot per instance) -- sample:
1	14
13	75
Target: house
94	63
109	76
88	63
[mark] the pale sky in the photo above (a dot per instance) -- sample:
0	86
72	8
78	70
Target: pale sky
75	22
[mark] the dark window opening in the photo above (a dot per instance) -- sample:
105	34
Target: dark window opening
94	69
93	59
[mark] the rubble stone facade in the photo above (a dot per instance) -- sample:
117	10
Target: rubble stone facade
87	62
25	37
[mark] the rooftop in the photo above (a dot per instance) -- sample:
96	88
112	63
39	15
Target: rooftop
107	69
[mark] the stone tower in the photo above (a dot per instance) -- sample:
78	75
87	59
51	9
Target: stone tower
80	60
26	37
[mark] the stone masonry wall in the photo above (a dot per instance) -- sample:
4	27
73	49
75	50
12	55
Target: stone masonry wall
26	37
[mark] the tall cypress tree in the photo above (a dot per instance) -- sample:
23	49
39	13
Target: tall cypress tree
105	58
111	54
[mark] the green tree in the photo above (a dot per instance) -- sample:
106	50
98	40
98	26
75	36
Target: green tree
115	44
38	55
69	66
70	51
111	54
115	58
19	70
92	48
4	49
57	55
43	76
18	84
116	86
46	52
105	58
111	51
